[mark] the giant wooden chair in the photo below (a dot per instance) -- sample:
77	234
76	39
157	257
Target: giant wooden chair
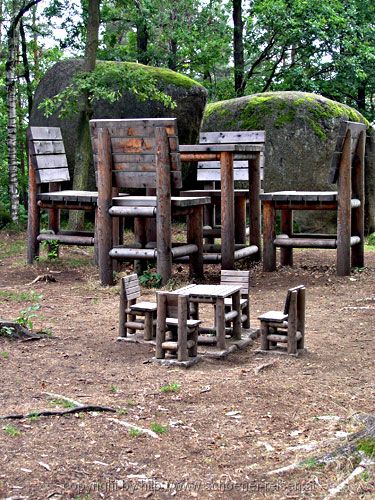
287	326
175	333
347	170
48	168
141	154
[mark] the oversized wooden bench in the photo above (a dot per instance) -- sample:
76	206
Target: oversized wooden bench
286	326
48	166
347	169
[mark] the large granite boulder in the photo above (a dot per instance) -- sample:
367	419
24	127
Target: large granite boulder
301	133
189	96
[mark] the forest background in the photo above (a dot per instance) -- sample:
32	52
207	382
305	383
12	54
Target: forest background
233	48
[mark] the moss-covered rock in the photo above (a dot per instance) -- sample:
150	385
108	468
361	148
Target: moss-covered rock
301	133
189	96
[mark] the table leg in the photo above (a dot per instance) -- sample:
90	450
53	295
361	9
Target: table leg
240	219
236	305
220	323
195	237
286	254
269	249
254	204
227	211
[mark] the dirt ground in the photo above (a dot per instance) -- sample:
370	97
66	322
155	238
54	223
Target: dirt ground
224	427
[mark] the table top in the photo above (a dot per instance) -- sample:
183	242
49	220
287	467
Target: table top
300	196
150	201
219	148
210	291
72	196
213	192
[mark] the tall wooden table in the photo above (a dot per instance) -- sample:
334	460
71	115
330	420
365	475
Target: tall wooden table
226	153
215	294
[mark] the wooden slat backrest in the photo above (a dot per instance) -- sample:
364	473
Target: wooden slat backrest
210	170
355	129
241	278
288	297
47	154
171	304
134	155
131	287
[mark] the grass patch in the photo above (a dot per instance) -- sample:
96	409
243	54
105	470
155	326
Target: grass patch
23	296
64	403
12	430
158	428
311	463
134	433
4	354
12	248
367	446
172	387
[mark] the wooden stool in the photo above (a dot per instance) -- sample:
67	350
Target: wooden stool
175	332
130	309
287	326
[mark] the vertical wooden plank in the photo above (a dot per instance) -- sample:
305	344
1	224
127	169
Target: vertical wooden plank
269	249
264	343
163	210
286	254
147	332
344	209
96	239
237	328
140	237
301	308
227	211
195	237
182	350
33	221
150	222
240	219
292	324
104	222
161	300
220	323
358	192
122	313
115	231
209	218
54	216
255	208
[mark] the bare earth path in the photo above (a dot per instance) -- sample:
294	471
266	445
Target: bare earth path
227	424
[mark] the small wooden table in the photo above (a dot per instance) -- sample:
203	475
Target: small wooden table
215	294
226	153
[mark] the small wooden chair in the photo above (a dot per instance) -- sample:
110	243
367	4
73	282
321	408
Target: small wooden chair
291	322
238	278
175	332
130	309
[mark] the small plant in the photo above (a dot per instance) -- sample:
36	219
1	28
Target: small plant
26	315
5	354
114	389
63	402
172	387
131	402
365	476
12	430
34	416
311	463
122	411
367	446
158	428
150	279
6	331
52	247
23	296
135	432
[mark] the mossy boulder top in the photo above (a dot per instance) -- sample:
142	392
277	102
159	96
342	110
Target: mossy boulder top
301	134
190	98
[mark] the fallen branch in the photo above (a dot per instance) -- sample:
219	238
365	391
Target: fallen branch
50	413
358	470
132	426
14	331
263	366
47	278
64	398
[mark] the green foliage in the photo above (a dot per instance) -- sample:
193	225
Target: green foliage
12	430
52	247
64	403
312	463
134	433
172	387
22	296
4	354
150	279
6	331
26	316
158	428
114	389
367	446
107	82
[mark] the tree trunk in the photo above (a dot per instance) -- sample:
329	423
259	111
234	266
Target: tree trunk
238	50
11	79
361	97
83	155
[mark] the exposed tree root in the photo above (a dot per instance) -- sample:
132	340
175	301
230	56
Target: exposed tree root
50	413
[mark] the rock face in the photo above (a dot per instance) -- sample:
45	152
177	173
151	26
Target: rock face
301	133
189	96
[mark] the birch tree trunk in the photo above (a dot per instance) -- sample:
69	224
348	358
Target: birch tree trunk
11	80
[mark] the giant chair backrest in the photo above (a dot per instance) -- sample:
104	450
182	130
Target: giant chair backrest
47	154
135	150
230	277
210	170
356	130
